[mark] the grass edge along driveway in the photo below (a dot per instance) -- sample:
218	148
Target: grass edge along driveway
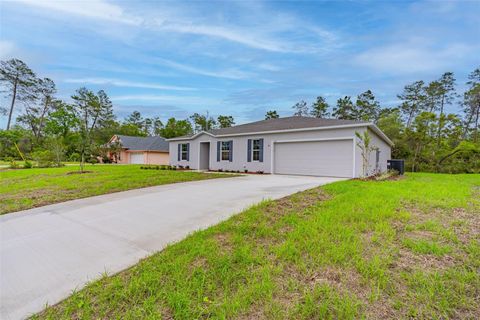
351	249
29	188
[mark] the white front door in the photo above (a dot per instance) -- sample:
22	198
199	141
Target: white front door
136	158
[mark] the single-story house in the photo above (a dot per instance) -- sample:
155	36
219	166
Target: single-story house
139	150
291	145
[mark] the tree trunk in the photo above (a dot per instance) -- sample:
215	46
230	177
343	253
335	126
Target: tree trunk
42	119
475	131
467	126
14	96
409	121
82	160
440	122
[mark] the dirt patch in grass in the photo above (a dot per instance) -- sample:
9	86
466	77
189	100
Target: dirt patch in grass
224	242
442	228
31	194
466	224
410	261
295	203
78	172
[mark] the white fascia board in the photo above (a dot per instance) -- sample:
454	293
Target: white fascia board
293	130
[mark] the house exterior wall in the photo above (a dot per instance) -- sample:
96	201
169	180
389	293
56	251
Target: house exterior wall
149	157
124	157
239	161
160	158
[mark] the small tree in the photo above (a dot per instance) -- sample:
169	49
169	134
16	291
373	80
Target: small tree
320	108
57	148
91	110
225	121
272	114
203	122
301	109
364	142
345	109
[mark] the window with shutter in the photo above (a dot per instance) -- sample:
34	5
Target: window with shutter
256	149
184	151
225	151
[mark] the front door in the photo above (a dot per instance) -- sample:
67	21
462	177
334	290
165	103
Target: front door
204	155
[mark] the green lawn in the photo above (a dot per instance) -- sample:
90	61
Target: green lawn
352	249
27	188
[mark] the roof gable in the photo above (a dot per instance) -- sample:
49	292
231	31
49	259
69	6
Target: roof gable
155	143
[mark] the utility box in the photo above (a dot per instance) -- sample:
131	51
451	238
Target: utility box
396	164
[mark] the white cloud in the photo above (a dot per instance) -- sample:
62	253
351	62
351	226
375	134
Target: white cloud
130	84
265	35
7	49
166	99
96	9
268	67
227	74
411	58
245	37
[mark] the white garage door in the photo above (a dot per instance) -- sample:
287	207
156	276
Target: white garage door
316	158
136	158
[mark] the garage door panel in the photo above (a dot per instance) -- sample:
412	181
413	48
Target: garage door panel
136	158
318	158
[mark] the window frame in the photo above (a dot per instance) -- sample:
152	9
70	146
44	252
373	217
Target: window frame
183	152
225	151
258	149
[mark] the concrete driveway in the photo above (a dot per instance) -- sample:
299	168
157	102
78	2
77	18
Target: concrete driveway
47	252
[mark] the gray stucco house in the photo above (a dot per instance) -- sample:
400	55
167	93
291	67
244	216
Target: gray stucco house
291	145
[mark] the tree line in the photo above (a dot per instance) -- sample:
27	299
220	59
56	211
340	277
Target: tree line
50	128
424	133
427	136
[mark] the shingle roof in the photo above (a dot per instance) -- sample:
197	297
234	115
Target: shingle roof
143	143
286	123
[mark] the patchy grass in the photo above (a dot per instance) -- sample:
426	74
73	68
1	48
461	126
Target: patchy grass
351	249
28	188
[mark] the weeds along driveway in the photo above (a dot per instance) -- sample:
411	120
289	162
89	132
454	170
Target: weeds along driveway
49	251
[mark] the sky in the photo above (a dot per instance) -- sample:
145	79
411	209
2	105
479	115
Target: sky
239	58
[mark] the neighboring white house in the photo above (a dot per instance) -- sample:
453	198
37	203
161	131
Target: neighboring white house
291	145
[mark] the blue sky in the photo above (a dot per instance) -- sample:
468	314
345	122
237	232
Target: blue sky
172	58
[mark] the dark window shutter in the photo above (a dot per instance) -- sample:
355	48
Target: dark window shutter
179	151
249	150
230	154
218	151
188	151
261	151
